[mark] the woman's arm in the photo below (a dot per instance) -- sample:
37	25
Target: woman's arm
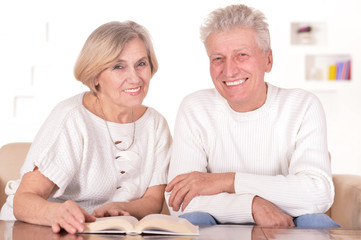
31	205
150	202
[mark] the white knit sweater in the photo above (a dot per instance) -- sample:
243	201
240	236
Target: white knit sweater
279	152
73	149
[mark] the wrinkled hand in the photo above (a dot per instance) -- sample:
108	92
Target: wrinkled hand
266	214
69	216
111	209
185	187
23	230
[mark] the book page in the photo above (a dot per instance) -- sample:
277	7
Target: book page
124	223
166	223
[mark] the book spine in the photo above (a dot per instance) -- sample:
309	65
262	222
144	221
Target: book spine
348	70
332	72
339	70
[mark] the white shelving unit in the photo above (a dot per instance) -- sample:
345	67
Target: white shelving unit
316	46
317	67
309	44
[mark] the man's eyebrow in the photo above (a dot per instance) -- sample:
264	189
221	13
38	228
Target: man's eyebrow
242	48
235	50
216	53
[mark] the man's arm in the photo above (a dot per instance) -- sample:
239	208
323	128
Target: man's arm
266	214
307	187
213	193
188	155
187	186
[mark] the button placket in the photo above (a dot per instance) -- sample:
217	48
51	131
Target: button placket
118	165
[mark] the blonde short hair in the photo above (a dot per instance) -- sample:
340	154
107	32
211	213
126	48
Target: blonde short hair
103	47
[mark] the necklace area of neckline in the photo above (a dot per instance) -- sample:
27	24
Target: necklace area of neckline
117	142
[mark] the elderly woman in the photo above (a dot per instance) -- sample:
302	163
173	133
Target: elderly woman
99	153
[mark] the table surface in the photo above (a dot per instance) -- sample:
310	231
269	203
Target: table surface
20	231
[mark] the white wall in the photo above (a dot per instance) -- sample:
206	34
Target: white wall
40	40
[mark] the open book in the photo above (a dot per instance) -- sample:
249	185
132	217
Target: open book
151	224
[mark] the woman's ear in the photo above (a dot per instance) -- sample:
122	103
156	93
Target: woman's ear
96	84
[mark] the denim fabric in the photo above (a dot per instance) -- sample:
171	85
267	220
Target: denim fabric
317	220
304	221
199	218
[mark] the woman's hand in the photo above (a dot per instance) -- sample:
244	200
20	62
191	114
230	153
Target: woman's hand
31	205
69	216
111	209
150	202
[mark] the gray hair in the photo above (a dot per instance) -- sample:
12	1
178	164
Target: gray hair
224	19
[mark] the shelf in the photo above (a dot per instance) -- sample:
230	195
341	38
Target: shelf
328	68
308	33
322	68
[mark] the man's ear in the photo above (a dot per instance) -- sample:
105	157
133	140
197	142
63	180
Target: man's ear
269	61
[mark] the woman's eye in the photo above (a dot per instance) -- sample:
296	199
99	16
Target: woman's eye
117	67
142	63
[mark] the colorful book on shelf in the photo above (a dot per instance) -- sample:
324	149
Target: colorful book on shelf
348	70
343	71
339	70
332	72
152	224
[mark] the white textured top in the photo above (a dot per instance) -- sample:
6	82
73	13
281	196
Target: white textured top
278	152
73	149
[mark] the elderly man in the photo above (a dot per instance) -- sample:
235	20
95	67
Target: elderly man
248	151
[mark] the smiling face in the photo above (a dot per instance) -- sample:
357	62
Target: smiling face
126	83
237	67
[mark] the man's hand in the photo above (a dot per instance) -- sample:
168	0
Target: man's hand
266	214
185	187
111	209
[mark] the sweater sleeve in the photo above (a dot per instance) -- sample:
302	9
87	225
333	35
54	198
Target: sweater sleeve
56	149
188	154
308	187
162	145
